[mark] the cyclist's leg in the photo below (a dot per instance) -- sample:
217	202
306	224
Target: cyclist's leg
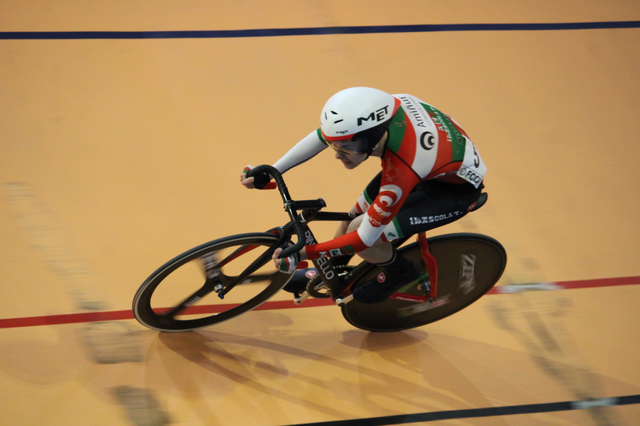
380	252
398	271
365	199
431	205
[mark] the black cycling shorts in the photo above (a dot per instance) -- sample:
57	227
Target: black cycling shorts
430	204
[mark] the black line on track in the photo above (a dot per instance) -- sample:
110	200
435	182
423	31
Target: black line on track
281	32
483	412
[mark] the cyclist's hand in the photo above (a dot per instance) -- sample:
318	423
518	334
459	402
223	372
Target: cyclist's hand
289	263
260	181
244	180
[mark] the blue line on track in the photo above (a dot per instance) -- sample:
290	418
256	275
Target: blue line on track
282	32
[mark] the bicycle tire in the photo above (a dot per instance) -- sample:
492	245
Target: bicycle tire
170	284
461	281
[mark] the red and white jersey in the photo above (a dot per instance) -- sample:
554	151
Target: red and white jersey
423	144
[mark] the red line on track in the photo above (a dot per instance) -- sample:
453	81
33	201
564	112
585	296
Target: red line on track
571	285
283	304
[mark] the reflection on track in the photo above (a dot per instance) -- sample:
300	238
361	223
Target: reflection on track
105	342
540	328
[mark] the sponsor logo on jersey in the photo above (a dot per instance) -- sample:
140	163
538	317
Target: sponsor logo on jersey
427	141
338	252
416	111
381	277
380	211
348	250
389	195
374	222
470	175
431	219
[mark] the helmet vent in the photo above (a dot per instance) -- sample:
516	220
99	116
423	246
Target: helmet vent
336	122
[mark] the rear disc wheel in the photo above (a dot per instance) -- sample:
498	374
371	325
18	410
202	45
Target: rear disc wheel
468	266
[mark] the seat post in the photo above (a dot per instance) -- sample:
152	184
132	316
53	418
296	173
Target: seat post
432	265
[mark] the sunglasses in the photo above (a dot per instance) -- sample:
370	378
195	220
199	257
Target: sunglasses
353	146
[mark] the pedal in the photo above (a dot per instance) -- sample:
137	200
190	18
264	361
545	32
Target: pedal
341	301
299	298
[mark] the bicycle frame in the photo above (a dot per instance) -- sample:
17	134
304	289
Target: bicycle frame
327	271
461	283
299	226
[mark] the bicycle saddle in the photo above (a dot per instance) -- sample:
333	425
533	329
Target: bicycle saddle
481	200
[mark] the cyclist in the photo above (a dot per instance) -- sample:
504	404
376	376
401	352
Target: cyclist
432	175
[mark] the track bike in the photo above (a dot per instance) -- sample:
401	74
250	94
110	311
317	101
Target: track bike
230	276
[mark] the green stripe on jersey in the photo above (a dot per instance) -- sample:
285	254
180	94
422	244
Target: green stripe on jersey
397	225
458	142
367	197
319	132
393	231
396	130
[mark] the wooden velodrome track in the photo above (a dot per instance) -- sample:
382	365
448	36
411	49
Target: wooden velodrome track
120	150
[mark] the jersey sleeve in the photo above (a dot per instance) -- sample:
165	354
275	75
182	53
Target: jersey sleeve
306	149
398	179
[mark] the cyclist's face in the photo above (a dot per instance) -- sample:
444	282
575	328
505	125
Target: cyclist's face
350	160
355	145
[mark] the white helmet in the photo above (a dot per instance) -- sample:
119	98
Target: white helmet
359	114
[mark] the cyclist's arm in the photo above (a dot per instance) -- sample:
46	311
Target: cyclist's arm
303	151
342	228
381	212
